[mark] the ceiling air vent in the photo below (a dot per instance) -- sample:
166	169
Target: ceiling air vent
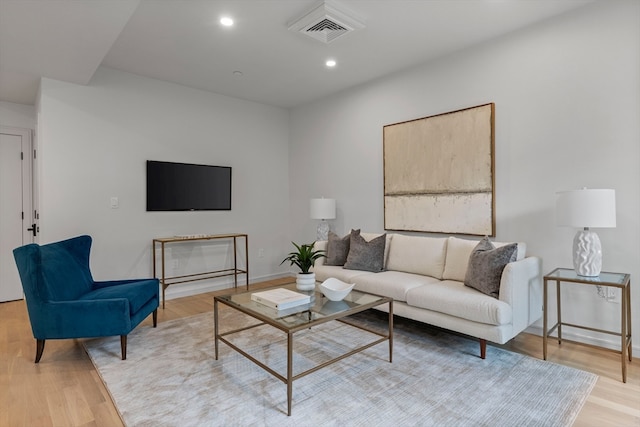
326	22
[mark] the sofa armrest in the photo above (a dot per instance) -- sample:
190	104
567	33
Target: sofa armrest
521	288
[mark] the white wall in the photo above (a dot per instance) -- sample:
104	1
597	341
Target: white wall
567	95
17	115
94	143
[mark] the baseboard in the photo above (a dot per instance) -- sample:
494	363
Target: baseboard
194	288
572	335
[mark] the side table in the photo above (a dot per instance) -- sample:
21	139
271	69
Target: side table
616	280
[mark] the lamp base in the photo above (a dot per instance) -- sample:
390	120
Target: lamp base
587	253
323	230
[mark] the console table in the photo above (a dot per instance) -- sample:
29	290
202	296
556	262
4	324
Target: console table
234	271
617	280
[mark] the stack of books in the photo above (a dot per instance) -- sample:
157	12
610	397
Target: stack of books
280	299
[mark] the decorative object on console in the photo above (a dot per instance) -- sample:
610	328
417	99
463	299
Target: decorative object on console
335	289
486	264
323	209
304	257
586	208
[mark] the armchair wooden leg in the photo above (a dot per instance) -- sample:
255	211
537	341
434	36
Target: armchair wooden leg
123	346
483	348
39	349
155	317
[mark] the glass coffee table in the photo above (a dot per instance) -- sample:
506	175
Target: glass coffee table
319	310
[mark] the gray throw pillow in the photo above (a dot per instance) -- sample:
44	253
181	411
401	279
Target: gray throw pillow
363	255
486	264
337	249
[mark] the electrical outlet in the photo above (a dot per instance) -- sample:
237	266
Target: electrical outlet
261	253
175	264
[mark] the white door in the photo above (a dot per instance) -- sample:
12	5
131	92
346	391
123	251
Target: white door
15	206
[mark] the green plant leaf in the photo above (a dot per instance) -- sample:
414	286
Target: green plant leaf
304	256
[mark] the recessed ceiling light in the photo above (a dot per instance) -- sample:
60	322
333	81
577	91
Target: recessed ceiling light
226	21
330	63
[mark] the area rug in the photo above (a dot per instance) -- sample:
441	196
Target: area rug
170	378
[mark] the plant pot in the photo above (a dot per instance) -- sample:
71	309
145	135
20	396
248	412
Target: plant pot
306	281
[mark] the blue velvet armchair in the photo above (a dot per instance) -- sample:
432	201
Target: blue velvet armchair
64	301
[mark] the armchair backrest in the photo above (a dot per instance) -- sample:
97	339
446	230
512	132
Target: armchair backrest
56	271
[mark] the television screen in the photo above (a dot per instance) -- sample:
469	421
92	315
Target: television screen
187	187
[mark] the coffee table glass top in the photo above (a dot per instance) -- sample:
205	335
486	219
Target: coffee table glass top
318	311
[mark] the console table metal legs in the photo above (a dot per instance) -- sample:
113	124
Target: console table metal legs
166	281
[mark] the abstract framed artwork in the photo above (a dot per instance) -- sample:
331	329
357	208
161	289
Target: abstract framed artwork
439	173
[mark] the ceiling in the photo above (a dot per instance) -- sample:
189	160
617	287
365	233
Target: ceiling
181	41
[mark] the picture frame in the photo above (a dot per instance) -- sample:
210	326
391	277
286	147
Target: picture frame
439	173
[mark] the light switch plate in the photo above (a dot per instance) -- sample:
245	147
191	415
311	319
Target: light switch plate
115	204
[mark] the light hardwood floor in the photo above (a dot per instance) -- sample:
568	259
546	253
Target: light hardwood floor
64	389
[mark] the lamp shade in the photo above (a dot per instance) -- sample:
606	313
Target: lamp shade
586	208
323	208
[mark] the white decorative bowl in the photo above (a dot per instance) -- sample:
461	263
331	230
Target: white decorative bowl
335	289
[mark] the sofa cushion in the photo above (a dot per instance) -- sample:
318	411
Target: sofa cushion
337	249
457	258
486	264
323	272
393	284
456	299
363	255
417	254
137	292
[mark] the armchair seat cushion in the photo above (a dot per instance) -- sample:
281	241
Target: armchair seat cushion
138	293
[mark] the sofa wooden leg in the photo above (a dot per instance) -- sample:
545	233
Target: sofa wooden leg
483	348
155	317
123	346
39	349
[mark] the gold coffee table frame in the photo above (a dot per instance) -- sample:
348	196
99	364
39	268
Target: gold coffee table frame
300	318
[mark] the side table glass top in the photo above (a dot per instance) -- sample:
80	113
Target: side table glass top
320	309
569	275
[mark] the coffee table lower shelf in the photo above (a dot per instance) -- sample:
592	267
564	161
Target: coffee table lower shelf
290	331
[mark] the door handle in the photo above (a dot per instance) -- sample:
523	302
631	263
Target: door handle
33	229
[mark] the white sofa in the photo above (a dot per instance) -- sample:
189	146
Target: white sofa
425	275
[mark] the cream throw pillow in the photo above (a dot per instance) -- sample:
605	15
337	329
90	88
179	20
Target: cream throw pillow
417	254
457	259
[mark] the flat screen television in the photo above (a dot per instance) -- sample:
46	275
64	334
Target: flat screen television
187	187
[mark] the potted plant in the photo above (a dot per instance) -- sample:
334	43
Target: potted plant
304	257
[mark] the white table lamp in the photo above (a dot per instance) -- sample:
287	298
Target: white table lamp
586	208
323	209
